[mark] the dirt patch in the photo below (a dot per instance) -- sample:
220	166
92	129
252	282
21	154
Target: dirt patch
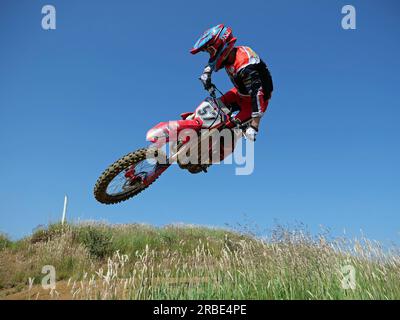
62	292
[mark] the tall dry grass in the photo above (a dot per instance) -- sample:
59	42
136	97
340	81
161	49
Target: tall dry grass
186	262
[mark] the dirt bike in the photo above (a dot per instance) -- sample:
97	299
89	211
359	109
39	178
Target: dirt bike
136	171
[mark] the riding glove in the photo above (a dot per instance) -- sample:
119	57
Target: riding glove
206	78
251	133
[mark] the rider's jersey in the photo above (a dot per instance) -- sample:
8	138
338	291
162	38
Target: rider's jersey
245	56
249	74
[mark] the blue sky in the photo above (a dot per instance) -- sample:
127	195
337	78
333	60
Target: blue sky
75	99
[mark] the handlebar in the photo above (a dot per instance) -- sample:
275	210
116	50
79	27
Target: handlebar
212	91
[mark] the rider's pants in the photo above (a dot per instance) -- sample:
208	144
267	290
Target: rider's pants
242	103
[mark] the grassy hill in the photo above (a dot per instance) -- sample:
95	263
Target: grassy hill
100	261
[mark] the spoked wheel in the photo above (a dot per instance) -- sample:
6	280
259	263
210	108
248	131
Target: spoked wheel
129	176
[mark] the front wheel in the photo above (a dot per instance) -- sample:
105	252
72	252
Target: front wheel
129	176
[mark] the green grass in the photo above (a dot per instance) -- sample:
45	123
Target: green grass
5	242
189	262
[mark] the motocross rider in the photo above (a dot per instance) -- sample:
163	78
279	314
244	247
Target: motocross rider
249	74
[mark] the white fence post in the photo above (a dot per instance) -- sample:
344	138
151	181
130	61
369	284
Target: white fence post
64	210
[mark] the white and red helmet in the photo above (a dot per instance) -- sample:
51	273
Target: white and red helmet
218	42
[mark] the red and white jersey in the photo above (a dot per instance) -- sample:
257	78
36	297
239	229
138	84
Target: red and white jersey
252	80
245	56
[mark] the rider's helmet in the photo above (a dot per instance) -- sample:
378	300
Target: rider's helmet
218	42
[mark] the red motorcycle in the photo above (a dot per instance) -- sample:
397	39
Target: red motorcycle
136	171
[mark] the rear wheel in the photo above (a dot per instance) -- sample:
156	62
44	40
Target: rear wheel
129	176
